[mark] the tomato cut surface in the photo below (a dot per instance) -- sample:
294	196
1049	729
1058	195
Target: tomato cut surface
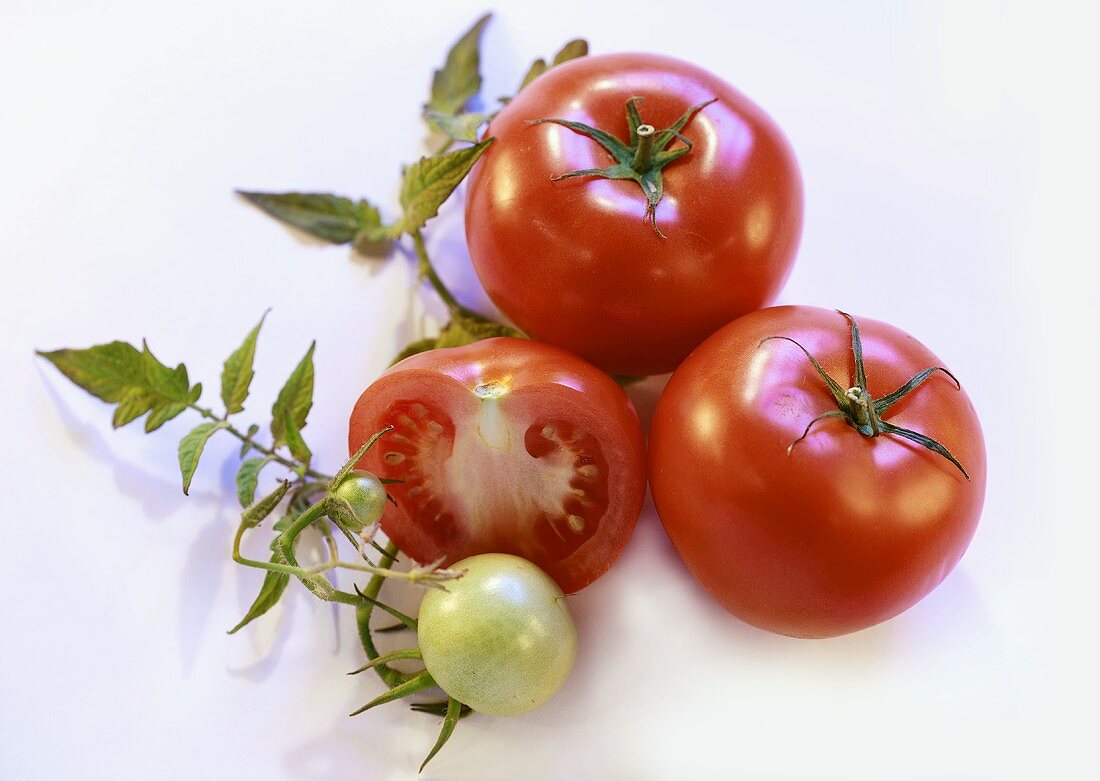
506	446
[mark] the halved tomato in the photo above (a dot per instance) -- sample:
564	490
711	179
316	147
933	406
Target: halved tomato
506	446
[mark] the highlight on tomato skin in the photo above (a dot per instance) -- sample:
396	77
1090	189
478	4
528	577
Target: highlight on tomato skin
506	446
576	261
835	532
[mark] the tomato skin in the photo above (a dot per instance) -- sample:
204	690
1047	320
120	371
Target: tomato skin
573	262
500	638
480	485
846	531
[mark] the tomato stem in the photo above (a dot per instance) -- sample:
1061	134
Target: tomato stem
862	411
643	153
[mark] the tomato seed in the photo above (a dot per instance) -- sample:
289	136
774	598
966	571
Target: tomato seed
394	458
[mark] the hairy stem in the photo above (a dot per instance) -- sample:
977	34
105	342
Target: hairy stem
427	271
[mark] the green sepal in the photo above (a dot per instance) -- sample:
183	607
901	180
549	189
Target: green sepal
392	656
450	721
413	685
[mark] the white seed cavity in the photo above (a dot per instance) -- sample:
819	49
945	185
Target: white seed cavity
394	458
489	390
576	523
589	470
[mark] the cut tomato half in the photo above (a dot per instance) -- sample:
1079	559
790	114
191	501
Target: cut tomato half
506	446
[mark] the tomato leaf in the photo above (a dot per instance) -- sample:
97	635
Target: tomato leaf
253	429
459	79
295	398
578	47
294	441
253	515
430	181
237	372
119	373
332	218
459	127
191	447
248	477
271	591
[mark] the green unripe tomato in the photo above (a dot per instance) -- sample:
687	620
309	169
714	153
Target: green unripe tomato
500	638
365	493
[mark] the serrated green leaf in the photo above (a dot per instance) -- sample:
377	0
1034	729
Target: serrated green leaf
134	379
332	218
430	181
169	383
295	398
237	371
253	429
248	477
460	127
254	514
284	523
294	441
271	591
191	447
459	79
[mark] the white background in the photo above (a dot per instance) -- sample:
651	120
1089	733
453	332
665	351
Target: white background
950	160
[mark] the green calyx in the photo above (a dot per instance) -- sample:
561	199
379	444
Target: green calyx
860	410
643	158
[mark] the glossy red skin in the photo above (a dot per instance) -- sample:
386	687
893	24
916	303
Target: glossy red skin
847	530
574	264
543	382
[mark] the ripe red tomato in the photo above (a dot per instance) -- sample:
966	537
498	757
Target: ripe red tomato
576	263
506	446
846	530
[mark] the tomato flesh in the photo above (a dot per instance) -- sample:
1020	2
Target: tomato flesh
498	450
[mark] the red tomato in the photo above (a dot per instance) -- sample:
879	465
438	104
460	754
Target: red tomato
846	530
506	446
575	262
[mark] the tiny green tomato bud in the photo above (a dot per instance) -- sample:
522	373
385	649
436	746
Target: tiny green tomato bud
366	495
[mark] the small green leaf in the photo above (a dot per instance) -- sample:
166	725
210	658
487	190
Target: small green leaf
274	585
430	182
191	447
162	414
237	372
253	515
578	47
538	67
246	446
248	477
473	328
626	380
459	79
331	218
294	441
284	523
295	398
460	127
